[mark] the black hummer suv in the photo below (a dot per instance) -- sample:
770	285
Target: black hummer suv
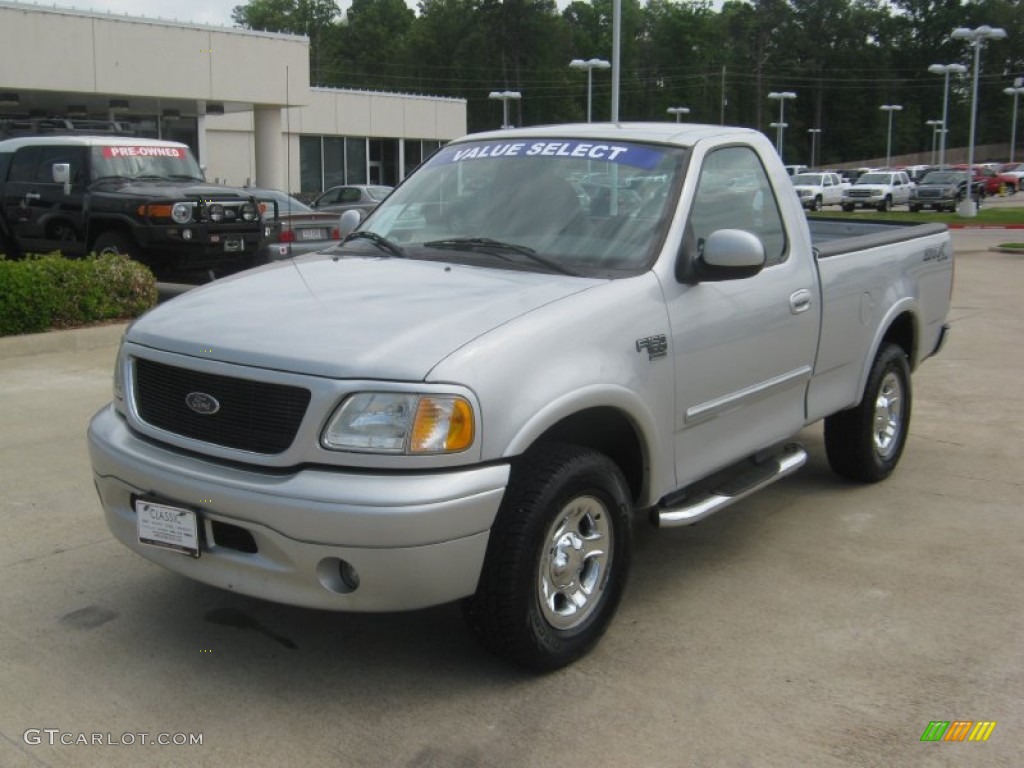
111	194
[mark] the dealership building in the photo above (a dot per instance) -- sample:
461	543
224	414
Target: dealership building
241	99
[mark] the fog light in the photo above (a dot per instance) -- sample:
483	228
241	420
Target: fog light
337	575
186	234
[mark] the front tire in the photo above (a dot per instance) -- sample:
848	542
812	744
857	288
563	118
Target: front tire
865	443
886	205
816	203
849	207
557	558
112	242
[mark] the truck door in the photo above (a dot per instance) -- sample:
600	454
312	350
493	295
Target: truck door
743	349
41	215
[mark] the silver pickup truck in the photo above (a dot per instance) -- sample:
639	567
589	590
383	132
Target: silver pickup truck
541	335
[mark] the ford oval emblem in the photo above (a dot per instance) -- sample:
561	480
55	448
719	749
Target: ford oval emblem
202	403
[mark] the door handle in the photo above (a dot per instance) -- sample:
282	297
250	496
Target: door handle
800	301
32	196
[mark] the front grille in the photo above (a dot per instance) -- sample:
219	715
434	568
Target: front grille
252	415
929	193
859	193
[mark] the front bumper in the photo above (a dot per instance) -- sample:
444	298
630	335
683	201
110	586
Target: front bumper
415	539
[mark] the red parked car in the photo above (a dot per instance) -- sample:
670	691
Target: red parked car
995	183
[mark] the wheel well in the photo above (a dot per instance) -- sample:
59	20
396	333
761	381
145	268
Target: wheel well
606	430
901	333
102	227
53	224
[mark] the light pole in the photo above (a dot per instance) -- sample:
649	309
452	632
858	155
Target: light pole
678	111
945	69
590	65
935	124
890	108
814	144
505	97
1016	91
782	97
779	128
976	38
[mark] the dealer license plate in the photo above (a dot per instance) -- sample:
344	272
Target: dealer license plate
234	244
161	525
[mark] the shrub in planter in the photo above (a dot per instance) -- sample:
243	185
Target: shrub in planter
53	292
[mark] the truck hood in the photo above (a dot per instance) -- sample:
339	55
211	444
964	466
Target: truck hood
170	189
367	318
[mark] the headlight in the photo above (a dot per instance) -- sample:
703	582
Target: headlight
215	212
384	422
249	212
181	212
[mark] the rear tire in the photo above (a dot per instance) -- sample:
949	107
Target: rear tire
865	443
557	558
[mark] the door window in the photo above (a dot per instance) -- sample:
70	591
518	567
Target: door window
733	192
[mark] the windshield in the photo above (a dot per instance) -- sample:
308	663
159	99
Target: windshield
807	179
874	178
943	177
145	162
584	207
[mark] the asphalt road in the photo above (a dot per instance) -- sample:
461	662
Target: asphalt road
815	624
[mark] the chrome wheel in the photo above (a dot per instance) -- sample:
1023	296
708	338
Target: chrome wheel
577	555
888	415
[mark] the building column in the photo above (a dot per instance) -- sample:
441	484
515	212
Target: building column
269	148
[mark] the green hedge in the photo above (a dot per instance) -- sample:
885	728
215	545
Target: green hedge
43	292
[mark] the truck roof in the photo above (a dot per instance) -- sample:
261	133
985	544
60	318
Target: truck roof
10	145
681	134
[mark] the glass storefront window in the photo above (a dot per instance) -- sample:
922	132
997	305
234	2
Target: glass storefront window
355	155
310	164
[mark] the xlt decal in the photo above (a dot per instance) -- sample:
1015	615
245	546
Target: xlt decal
656	346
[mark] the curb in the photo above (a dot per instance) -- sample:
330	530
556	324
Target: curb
71	340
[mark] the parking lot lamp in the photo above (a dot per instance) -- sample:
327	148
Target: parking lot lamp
779	127
890	108
505	97
935	124
782	97
976	38
814	145
1015	91
678	111
945	69
590	65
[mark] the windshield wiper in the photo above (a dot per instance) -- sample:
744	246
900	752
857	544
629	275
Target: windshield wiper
487	243
379	240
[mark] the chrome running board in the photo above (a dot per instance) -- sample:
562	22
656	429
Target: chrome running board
732	489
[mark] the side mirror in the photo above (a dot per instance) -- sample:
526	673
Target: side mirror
348	222
62	175
727	254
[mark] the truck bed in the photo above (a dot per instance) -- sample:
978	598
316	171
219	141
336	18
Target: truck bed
834	237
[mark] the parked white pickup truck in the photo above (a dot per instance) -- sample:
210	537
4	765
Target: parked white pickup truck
540	335
878	189
818	189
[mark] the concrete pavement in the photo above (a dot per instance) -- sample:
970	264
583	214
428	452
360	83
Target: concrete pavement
815	624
